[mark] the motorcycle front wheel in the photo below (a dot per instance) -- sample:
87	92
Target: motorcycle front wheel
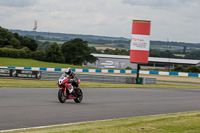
80	96
61	96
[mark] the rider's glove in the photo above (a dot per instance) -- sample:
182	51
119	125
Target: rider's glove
71	80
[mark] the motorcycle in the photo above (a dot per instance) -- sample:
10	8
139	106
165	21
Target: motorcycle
66	88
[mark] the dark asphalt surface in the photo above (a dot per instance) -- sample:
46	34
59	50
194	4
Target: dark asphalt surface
30	107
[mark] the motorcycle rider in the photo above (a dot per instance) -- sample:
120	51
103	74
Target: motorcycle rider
73	79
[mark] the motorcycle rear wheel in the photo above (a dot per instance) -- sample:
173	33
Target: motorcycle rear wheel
61	96
80	96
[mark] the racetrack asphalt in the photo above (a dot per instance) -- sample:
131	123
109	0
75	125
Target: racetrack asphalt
31	107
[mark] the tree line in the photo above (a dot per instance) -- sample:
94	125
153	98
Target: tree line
10	40
111	51
92	39
153	53
75	51
191	69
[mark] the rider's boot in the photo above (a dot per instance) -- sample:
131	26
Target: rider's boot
74	91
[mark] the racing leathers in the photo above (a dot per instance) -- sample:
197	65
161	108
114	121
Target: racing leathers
74	82
73	79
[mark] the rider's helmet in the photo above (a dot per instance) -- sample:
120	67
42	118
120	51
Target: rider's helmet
68	71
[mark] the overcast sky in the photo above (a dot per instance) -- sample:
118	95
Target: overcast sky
178	20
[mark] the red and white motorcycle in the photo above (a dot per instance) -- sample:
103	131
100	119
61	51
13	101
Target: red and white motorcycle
66	88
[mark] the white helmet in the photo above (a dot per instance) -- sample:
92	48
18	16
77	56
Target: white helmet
68	71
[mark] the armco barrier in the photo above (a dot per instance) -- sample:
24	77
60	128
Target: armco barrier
108	71
47	75
99	78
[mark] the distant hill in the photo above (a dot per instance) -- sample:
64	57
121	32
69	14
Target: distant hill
66	37
120	41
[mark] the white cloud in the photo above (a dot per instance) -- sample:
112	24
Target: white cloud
174	19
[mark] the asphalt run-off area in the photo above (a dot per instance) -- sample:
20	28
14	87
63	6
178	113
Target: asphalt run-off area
31	107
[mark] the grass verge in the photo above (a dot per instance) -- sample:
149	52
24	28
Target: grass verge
180	81
187	122
151	75
51	84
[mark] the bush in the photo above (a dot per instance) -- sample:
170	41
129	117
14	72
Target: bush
12	53
7	52
193	69
128	68
25	53
15	53
39	55
178	68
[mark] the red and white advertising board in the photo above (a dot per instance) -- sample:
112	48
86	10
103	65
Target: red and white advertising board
140	41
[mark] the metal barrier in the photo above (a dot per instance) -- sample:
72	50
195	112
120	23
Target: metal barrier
104	71
99	78
47	75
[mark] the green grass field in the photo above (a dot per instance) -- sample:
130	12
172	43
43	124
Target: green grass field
58	42
96	45
187	122
166	47
17	62
179	55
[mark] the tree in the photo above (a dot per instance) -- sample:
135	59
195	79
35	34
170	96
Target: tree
15	43
54	54
33	46
193	55
184	49
94	50
77	52
5	37
44	45
30	43
8	39
154	53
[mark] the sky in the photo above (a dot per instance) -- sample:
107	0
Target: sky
177	20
